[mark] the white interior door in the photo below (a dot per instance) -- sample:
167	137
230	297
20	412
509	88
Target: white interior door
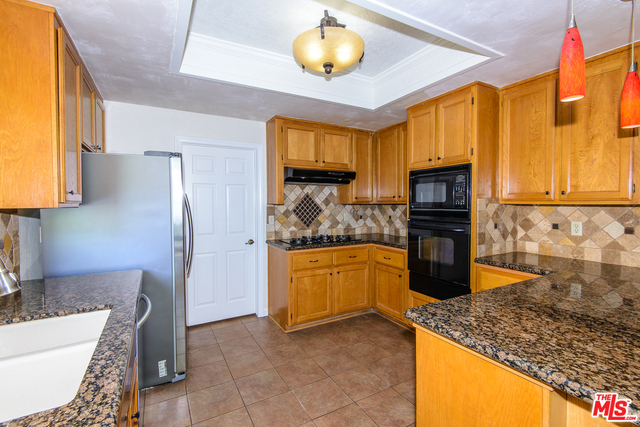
221	185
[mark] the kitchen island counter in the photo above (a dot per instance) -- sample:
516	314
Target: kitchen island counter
576	328
99	395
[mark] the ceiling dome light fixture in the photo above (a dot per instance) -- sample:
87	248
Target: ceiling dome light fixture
572	68
630	101
329	47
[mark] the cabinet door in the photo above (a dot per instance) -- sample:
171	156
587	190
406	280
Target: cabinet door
403	173
99	120
387	166
528	143
454	129
351	284
389	290
69	73
311	296
421	128
362	186
88	112
488	277
596	153
335	145
300	144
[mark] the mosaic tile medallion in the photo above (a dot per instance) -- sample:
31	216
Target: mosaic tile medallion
307	210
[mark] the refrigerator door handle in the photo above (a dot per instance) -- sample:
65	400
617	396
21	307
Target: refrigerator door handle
190	222
147	312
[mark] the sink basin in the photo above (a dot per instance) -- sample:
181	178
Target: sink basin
42	362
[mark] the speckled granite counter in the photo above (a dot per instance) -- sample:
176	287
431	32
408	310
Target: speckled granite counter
97	402
577	328
399	242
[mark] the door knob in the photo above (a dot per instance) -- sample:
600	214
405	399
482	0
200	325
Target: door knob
250	242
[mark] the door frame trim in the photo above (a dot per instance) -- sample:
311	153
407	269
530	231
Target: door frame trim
260	149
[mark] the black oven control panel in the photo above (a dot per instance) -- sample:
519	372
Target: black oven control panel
460	191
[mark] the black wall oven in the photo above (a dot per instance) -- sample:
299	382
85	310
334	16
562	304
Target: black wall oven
439	234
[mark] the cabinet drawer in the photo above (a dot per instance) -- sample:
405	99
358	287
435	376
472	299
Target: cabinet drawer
313	260
392	259
351	256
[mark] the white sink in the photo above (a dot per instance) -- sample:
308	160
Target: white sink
42	362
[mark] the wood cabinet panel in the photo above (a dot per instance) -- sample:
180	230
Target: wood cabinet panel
387	166
389	290
88	113
361	189
403	173
306	260
596	153
528	142
311	295
300	144
351	284
351	256
336	148
416	299
99	128
392	259
454	129
489	277
421	128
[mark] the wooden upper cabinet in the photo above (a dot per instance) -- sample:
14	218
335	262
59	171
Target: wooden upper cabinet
99	128
336	148
453	129
387	166
360	190
527	144
421	127
403	173
301	144
88	113
596	153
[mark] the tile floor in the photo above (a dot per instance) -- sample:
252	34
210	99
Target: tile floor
358	371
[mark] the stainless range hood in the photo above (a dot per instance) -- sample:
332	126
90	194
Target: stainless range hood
318	177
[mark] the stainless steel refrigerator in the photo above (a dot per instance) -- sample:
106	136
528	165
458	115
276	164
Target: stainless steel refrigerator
131	217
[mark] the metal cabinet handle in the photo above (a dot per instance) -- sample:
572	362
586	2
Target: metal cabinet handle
147	312
431	160
314	261
70	192
386	257
564	192
439	158
250	242
547	193
353	256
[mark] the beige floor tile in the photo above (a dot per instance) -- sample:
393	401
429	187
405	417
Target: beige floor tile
321	397
172	412
301	372
316	344
260	386
222	324
239	347
205	376
345	337
389	408
192	330
163	392
336	361
390	370
366	351
203	338
283	410
349	416
213	401
407	389
286	353
262	325
238	418
271	339
204	355
231	333
359	383
248	364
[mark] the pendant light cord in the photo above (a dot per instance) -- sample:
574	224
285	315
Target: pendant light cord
633	20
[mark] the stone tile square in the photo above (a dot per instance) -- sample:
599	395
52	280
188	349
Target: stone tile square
201	377
285	353
271	339
214	401
345	337
359	383
260	386
316	344
222	324
301	372
164	392
279	411
389	408
204	355
248	364
407	389
238	418
231	333
238	347
321	397
261	325
202	338
336	361
351	416
390	370
602	219
173	412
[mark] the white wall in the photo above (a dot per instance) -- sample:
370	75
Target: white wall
133	129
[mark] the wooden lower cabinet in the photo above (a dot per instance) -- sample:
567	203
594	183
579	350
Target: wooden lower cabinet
129	413
415	299
389	290
456	386
311	295
489	277
351	285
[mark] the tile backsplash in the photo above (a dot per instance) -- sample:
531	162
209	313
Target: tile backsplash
21	250
609	233
10	246
318	207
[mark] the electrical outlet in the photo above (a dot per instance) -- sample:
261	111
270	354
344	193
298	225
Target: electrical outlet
347	217
271	219
162	368
576	228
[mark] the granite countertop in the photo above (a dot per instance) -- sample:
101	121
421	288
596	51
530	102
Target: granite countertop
399	242
97	402
576	328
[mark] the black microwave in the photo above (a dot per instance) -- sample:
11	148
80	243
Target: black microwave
441	194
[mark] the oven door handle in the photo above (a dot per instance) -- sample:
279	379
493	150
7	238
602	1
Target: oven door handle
455	229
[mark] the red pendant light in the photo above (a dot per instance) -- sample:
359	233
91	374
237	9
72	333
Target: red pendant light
572	72
630	102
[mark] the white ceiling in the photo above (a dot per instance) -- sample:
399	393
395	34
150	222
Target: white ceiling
238	62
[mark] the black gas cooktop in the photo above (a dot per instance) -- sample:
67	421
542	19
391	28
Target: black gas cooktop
315	240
